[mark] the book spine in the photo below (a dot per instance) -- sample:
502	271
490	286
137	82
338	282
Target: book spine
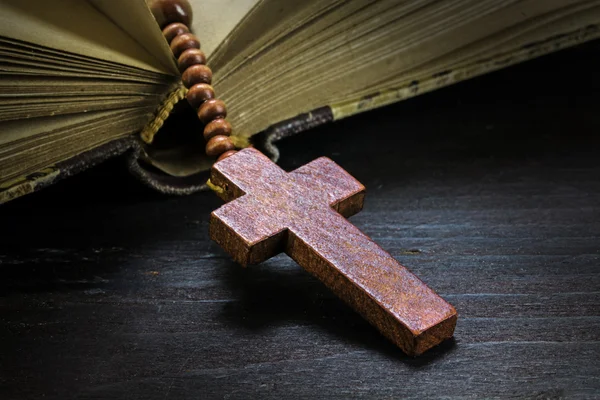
40	179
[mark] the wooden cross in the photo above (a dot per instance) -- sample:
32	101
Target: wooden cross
302	213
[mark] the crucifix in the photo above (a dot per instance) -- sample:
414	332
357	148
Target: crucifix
303	213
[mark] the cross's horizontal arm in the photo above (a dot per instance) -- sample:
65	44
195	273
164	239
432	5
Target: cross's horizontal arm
344	193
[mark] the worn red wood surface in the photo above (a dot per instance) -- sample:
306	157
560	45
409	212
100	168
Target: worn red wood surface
302	214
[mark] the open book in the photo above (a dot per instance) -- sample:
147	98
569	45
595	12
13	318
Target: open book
81	79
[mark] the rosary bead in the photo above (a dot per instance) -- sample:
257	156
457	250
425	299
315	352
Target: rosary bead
191	57
212	109
174	29
168	11
218	127
199	93
226	154
183	42
196	74
219	145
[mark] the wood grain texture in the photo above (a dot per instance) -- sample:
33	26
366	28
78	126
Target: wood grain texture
302	214
488	191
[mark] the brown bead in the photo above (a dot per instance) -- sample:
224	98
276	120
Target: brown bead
168	11
174	29
219	145
191	57
183	42
218	127
226	154
199	93
196	74
212	109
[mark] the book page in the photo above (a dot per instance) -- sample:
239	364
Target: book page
134	17
348	51
75	26
215	19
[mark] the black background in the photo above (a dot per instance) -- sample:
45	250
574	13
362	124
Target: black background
489	191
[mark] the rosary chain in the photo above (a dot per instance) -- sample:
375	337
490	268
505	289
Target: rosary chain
175	17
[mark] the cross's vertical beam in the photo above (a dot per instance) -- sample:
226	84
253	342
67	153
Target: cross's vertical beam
372	282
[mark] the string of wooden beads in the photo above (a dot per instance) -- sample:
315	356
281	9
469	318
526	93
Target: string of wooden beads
175	17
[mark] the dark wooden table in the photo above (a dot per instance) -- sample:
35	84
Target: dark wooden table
489	191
